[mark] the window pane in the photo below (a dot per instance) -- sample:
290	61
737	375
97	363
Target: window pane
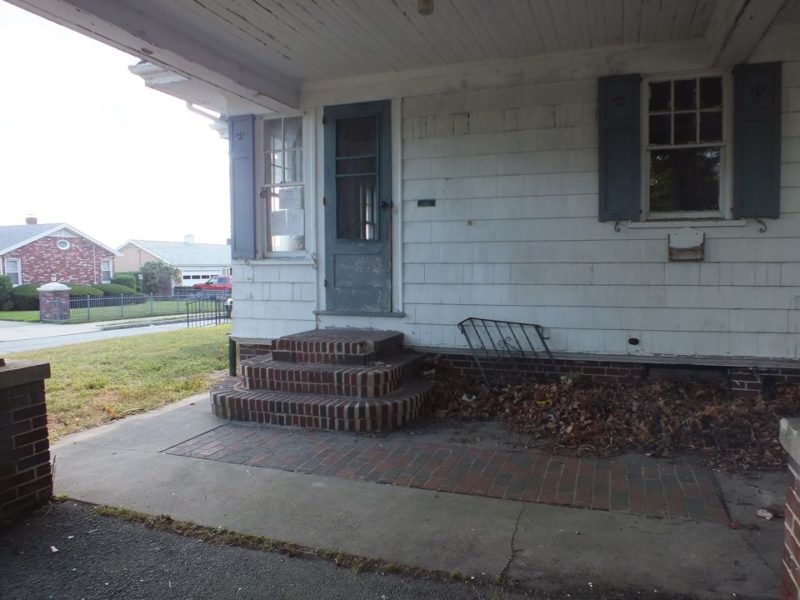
711	127
685	128
356	208
710	92
660	96
273	135
357	137
286	219
660	126
353	166
293	167
684	179
685	94
293	133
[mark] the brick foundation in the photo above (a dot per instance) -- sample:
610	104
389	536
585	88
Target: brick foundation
26	479
747	380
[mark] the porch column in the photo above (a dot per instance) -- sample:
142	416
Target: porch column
26	478
790	565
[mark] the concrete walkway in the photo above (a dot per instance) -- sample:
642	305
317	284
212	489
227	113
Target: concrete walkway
124	464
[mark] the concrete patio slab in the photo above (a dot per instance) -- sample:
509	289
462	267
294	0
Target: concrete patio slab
123	464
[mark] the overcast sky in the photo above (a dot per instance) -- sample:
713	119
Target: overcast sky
83	141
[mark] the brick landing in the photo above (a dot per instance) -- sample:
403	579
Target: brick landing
632	484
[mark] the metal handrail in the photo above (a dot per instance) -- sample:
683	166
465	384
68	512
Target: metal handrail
490	338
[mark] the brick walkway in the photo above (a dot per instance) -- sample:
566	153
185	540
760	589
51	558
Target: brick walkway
633	484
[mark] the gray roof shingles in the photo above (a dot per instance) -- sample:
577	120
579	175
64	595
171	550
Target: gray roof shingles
11	235
181	254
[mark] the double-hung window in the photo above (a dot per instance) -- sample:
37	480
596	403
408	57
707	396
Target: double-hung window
686	158
283	190
105	271
14	270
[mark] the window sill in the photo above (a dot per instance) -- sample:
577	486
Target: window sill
356	313
293	259
673	224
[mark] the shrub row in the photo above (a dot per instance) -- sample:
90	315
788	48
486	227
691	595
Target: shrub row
25	296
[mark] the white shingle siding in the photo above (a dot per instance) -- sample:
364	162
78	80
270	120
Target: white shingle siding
514	235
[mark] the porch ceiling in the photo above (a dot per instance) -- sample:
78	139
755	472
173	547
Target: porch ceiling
309	40
263	51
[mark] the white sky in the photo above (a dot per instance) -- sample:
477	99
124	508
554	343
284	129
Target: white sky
83	141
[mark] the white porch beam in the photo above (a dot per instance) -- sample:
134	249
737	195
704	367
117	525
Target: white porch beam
137	28
737	26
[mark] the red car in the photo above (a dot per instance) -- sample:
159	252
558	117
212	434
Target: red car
221	283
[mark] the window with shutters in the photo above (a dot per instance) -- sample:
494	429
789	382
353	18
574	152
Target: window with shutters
282	190
686	146
14	270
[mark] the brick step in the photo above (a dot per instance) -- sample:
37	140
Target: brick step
338	346
357	381
230	401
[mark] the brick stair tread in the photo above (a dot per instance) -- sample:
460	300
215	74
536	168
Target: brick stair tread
342	335
342	346
388	364
409	388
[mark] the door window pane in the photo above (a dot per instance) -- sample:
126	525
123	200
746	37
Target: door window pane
710	92
711	126
356	207
357	137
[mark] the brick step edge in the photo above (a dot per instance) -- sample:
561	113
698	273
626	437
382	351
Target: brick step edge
336	352
229	401
355	381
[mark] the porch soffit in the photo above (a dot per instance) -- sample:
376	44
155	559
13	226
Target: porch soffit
265	51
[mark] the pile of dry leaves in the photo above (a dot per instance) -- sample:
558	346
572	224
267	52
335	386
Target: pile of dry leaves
661	417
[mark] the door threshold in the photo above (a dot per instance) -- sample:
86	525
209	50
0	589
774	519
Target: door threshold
357	313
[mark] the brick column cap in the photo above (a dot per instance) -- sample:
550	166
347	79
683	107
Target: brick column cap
790	438
21	372
53	286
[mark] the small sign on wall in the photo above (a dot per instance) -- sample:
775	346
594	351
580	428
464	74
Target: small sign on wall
686	245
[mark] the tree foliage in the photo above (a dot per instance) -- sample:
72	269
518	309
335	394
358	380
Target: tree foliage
158	277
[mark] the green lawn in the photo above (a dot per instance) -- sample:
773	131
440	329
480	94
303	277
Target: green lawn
97	382
30	316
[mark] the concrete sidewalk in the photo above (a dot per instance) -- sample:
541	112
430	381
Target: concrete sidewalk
123	464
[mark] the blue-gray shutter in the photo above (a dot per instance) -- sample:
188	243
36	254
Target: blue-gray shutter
620	148
757	141
241	138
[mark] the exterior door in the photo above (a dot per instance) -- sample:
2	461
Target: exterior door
358	208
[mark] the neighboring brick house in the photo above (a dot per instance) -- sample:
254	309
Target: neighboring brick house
43	252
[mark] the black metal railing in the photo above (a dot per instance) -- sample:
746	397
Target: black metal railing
492	340
208	311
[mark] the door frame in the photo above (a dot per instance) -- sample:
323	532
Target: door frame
390	160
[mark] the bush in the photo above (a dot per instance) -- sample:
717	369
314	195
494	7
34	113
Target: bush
127	279
25	296
158	277
114	289
5	292
79	290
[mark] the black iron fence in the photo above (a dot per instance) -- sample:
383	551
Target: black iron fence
208	311
85	309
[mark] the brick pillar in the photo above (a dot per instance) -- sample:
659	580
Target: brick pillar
26	479
53	302
790	565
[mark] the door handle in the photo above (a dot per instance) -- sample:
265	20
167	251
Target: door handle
386	205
